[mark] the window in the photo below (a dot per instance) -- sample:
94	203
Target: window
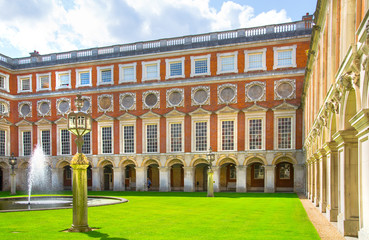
43	81
175	137
227	62
201	136
128	139
24	83
105	75
27	144
200	65
4	82
227	135
255	134
284	171
284	57
45	142
127	73
86	147
64	142
175	68
284	132
83	77
258	171
151	70
151	138
255	60
106	139
2	142
63	79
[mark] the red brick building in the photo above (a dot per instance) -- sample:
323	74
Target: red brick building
158	106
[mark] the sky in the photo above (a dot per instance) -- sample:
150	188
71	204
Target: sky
50	26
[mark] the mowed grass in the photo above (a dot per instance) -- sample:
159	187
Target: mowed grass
156	215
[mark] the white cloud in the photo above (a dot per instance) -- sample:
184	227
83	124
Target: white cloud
53	25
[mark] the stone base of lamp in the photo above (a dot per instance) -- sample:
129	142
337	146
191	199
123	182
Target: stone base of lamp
210	183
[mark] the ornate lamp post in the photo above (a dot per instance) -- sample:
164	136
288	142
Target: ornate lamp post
13	185
210	158
79	123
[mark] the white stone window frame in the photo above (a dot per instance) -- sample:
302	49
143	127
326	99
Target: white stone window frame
285	114
251	116
39	113
121	72
144	70
6	82
194	120
146	122
291	82
249	85
39	85
194	90
252	52
277	50
121	132
78	77
176	60
7	106
57	78
227	117
100	125
7	138
58	140
157	104
99	78
22	129
58	101
196	58
121	97
169	135
39	136
225	55
221	87
170	91
20	104
20	79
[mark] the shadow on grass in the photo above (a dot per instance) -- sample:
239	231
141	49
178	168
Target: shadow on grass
102	236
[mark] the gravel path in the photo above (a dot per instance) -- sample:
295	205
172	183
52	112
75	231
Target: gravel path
325	229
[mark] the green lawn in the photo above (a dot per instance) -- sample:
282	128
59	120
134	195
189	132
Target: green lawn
154	215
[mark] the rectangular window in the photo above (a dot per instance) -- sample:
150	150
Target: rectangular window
129	138
44	82
152	138
258	171
86	147
175	137
64	80
84	78
2	143
255	134
27	145
2	82
106	134
151	71
128	74
175	69
106	76
284	133
255	61
65	141
45	141
201	66
284	58
228	135
227	63
201	136
25	84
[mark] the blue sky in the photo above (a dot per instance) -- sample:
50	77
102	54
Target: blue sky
63	25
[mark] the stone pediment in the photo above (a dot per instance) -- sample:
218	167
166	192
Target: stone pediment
227	110
150	114
4	121
284	106
174	113
61	121
127	116
104	118
24	123
200	111
43	121
255	108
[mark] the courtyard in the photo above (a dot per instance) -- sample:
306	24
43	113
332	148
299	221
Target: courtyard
172	215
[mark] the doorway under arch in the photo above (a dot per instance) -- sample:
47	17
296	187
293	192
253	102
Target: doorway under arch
67	178
255	177
201	177
108	177
153	175
177	177
284	176
89	177
228	177
130	177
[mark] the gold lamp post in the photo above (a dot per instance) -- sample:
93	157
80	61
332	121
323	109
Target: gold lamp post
13	185
210	158
79	123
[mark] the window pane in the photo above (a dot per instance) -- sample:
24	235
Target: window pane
201	136
128	74
85	78
152	71
227	135
64	80
175	68
25	84
284	132
128	138
65	141
255	133
106	76
176	137
258	171
106	140
255	60
2	143
152	138
285	171
2	82
44	82
27	148
201	66
86	147
45	140
227	63
285	58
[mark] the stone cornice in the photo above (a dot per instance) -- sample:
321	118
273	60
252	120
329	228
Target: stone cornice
330	147
345	137
361	122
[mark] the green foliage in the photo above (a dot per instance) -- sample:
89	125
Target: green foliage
173	215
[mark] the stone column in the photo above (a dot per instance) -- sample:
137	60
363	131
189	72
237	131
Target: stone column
299	178
348	202
164	179
140	178
13	184
322	180
189	179
216	178
307	191
332	181
118	179
96	186
269	180
241	179
316	181
312	182
57	179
